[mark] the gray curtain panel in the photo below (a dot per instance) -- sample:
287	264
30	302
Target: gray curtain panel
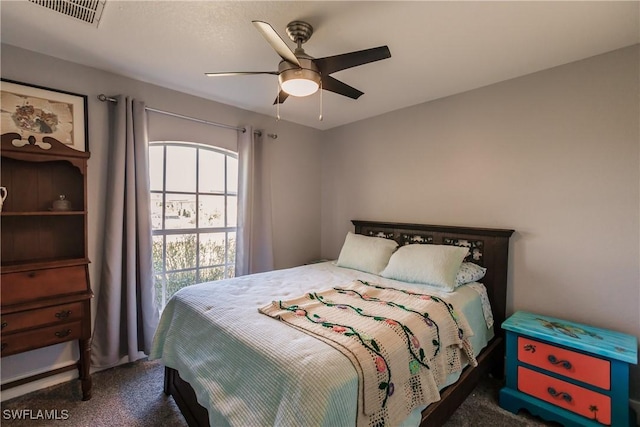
254	245
126	317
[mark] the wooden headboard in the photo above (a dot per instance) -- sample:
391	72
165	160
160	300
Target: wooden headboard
488	247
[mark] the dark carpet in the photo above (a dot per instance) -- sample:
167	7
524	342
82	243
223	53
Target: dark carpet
131	395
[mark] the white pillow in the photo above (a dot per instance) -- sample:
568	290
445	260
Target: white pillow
435	265
469	272
365	253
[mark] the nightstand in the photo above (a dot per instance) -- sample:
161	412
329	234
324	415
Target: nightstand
562	371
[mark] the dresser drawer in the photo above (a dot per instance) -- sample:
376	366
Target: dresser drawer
571	364
571	397
42	317
31	285
36	338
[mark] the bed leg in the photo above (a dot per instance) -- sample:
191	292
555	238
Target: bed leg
497	365
497	371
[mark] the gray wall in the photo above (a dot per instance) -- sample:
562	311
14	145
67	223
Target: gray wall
553	155
294	163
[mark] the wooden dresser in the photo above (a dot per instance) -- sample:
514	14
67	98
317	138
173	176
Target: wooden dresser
567	372
44	286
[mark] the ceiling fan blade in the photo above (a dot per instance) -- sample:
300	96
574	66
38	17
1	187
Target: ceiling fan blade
283	96
336	86
240	73
331	64
276	42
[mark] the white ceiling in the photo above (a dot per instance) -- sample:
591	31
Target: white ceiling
437	48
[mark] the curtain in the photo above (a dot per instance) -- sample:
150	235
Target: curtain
254	240
126	317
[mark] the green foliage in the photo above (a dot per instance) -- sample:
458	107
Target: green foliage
180	254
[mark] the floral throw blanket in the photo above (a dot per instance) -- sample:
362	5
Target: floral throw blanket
401	343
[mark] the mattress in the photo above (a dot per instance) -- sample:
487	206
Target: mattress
249	369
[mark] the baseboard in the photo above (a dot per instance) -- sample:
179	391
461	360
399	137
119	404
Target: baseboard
29	387
635	405
10	393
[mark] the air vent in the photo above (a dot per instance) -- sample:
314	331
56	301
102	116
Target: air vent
89	11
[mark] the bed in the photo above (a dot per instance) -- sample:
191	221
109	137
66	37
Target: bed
235	397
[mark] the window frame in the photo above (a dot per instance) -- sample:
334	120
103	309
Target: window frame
229	231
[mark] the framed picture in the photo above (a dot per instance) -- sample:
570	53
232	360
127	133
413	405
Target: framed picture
36	112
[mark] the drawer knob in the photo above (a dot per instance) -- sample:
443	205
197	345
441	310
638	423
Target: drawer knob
4	325
559	394
62	334
3	346
63	314
564	363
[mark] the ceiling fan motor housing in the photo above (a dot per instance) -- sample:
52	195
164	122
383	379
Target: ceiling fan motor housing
308	72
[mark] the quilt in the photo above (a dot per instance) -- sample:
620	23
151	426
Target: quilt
403	344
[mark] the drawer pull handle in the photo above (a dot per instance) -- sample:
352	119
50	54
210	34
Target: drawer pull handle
31	274
559	394
63	314
564	363
4	345
62	334
4	325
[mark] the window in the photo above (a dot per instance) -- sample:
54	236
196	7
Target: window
194	191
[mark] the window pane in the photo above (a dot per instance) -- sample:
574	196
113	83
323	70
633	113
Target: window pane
232	175
232	211
158	285
156	211
181	169
177	281
158	255
212	249
180	211
209	274
231	251
156	154
231	272
181	251
211	211
211	172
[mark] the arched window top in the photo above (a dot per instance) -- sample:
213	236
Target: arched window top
195	145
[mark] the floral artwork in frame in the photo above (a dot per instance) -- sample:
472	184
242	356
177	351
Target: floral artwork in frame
36	112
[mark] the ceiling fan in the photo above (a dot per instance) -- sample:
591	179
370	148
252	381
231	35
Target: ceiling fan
300	74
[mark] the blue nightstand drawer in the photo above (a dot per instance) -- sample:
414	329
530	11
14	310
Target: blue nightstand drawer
568	363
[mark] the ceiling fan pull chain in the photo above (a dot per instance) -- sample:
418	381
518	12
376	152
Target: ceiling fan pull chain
278	102
320	118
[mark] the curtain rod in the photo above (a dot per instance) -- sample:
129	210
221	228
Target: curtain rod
102	97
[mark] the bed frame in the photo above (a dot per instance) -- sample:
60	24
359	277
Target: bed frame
489	247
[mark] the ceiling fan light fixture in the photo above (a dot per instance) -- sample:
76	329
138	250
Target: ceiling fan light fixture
300	81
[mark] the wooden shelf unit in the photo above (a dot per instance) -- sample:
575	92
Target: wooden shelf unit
45	288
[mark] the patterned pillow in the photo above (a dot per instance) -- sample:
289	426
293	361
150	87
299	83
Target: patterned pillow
435	265
469	272
365	253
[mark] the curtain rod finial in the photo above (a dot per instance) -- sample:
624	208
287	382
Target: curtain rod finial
102	97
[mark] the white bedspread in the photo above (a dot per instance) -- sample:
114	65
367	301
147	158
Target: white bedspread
250	370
